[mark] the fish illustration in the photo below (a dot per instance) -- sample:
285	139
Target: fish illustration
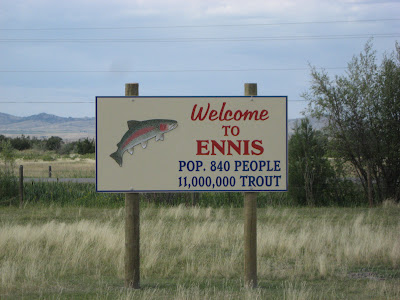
140	132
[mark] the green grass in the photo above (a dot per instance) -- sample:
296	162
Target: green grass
72	194
66	167
51	251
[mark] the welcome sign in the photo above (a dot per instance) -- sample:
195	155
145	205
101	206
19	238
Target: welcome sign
171	144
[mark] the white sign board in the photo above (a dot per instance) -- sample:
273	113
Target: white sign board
171	144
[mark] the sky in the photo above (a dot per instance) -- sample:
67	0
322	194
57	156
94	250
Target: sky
57	56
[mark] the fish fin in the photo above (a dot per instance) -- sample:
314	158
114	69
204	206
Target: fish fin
117	157
132	123
130	150
160	137
144	144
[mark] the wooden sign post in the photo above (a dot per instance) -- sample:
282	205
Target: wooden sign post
250	221
194	144
132	223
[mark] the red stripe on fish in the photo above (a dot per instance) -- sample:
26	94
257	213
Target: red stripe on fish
137	134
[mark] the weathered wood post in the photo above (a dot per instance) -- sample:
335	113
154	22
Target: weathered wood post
49	171
132	222
21	185
250	221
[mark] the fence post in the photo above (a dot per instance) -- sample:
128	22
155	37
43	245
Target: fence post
49	171
21	186
250	221
132	224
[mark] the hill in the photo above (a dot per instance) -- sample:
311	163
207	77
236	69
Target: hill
45	125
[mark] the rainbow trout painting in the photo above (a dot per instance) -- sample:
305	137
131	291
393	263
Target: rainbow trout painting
140	132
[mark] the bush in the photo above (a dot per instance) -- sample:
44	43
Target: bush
38	144
8	182
8	187
54	143
48	157
310	174
67	148
313	179
21	143
86	146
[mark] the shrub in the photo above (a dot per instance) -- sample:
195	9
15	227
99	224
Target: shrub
67	148
86	146
53	143
48	157
21	143
8	182
310	173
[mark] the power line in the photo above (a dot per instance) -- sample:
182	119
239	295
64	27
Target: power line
167	71
202	26
208	39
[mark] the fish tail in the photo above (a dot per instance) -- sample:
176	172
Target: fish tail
117	158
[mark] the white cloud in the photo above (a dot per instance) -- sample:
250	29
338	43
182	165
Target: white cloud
168	56
194	8
280	8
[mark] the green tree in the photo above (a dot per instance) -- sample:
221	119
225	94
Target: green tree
21	143
86	146
310	174
2	138
7	154
363	110
54	143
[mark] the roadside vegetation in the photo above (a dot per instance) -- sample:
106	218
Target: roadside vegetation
363	110
334	235
354	160
8	182
53	145
313	179
197	253
67	159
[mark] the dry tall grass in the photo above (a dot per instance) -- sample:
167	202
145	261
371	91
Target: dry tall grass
61	168
181	245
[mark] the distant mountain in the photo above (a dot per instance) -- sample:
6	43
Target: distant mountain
50	118
46	125
8	119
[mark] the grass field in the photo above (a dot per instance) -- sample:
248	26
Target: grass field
79	167
61	168
55	252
